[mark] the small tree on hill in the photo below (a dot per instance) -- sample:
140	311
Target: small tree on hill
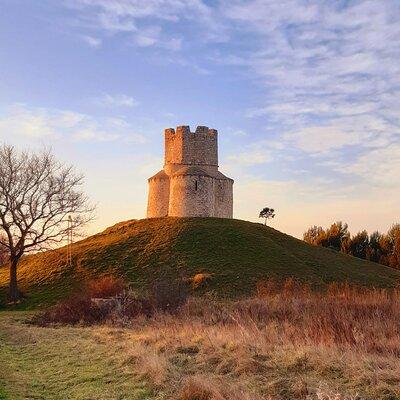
267	213
38	195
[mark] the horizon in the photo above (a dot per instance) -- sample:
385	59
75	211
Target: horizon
305	97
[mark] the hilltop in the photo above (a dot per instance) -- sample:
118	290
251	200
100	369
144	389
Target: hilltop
237	254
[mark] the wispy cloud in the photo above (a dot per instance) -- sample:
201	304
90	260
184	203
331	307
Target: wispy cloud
92	41
152	36
251	157
377	168
116	100
131	10
20	120
41	123
132	16
239	132
330	69
92	134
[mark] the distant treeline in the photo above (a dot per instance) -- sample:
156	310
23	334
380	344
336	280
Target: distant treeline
378	247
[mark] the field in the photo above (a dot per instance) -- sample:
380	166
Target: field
285	344
240	336
236	254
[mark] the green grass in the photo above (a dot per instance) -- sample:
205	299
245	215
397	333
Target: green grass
237	253
3	394
67	363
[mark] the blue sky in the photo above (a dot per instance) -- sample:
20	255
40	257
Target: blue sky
305	95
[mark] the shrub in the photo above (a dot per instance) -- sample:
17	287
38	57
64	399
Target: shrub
266	287
128	306
106	286
81	309
199	279
169	296
75	309
106	299
195	389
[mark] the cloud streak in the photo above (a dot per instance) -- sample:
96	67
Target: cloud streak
133	16
117	100
30	123
329	70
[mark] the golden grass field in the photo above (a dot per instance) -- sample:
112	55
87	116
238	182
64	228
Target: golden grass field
290	344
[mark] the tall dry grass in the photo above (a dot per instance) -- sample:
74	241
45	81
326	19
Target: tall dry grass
286	343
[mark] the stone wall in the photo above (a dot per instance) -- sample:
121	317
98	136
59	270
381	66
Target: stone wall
191	148
191	196
223	206
190	184
158	199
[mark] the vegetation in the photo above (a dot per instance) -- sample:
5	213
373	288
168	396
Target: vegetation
267	213
286	343
377	247
67	363
40	205
108	299
233	254
3	252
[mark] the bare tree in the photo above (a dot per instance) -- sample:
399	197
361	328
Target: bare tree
37	196
3	253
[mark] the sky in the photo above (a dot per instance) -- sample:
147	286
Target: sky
305	95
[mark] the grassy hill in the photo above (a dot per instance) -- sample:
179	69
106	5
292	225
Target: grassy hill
237	253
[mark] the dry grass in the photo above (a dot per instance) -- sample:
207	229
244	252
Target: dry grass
287	343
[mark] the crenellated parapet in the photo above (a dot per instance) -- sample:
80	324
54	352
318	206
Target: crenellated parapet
191	148
185	130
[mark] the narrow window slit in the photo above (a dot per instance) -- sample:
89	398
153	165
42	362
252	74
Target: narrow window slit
195	185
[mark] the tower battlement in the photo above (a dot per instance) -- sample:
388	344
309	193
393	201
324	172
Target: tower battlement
185	129
190	184
191	148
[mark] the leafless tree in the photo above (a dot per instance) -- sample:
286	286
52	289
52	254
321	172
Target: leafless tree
3	253
38	195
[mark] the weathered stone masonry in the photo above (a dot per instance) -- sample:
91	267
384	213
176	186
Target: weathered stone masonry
190	184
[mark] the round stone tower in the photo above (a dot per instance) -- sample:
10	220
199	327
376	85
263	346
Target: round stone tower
190	184
157	202
192	193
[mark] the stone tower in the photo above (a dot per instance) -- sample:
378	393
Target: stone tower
190	184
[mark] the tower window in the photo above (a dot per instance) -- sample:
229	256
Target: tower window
195	185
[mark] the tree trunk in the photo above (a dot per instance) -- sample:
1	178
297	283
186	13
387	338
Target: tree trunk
14	293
